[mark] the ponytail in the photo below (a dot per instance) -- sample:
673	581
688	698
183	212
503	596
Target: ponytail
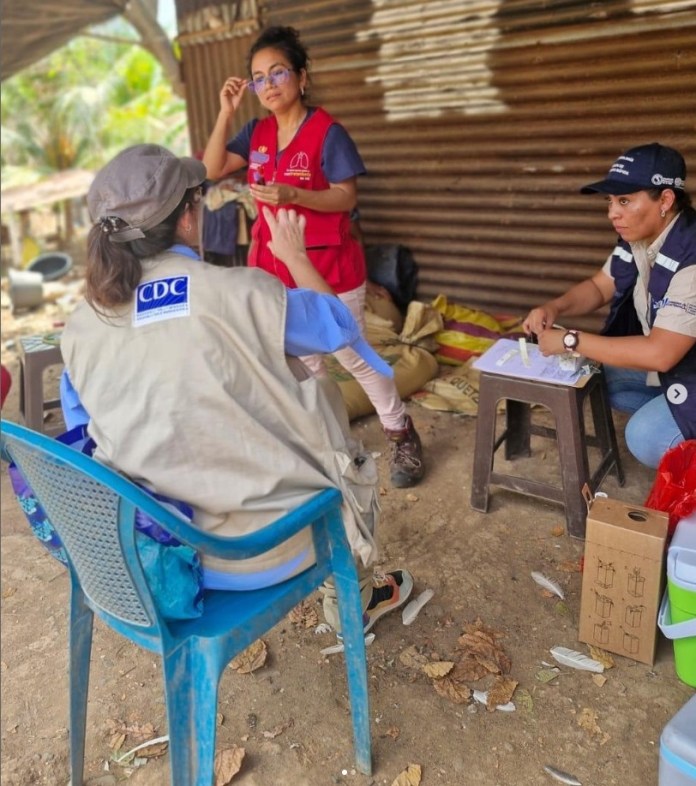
114	269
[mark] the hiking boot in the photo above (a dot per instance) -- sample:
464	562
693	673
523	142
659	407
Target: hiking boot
406	466
388	593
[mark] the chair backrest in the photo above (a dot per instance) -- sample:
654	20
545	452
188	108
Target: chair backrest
89	506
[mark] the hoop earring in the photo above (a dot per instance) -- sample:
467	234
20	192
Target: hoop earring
662	214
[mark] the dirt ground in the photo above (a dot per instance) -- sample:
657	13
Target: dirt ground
291	715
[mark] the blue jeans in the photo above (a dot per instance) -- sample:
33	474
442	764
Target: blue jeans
651	430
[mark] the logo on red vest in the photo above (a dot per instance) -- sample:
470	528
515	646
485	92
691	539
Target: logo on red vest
299	167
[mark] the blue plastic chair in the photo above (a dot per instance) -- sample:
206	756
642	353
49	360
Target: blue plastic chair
93	510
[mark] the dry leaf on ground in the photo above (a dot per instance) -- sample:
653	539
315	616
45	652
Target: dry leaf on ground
603	657
228	762
570	566
116	741
393	732
252	658
500	692
279	729
588	720
439	668
138	732
478	627
411	658
599	680
411	776
472	641
500	664
558	531
561	608
468	670
481	643
455	691
304	615
546	675
523	699
154	750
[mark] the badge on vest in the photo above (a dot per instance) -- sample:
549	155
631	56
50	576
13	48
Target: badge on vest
164	298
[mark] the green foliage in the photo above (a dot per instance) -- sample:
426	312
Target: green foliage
81	105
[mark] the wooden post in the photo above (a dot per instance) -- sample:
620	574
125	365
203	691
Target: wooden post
68	218
15	230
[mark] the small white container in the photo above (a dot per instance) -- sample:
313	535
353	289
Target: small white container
678	748
26	289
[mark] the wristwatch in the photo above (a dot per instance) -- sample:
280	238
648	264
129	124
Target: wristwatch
571	340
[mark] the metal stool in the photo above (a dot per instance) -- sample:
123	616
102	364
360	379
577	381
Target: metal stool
566	405
37	354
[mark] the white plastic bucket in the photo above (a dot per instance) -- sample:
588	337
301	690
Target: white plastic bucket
26	288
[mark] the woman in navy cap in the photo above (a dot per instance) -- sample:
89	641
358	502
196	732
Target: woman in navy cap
648	344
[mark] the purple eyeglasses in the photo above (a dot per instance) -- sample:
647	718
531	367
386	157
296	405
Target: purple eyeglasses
279	76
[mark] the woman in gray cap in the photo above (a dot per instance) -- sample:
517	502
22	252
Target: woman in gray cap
190	375
648	344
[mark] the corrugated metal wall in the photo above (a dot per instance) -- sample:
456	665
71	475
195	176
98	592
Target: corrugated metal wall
479	121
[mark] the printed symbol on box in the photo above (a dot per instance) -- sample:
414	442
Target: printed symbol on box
631	643
601	632
636	583
605	574
634	616
603	605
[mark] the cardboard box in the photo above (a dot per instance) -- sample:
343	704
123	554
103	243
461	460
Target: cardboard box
623	578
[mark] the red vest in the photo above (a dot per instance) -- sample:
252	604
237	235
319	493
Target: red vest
330	246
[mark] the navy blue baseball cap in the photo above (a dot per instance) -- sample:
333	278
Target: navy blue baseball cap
642	168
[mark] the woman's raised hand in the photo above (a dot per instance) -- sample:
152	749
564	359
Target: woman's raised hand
287	235
288	244
232	93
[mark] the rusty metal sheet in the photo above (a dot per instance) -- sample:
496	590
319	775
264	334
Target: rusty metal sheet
480	120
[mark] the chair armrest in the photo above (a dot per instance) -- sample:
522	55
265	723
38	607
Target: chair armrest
243	546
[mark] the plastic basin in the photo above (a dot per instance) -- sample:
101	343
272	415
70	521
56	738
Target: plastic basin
52	265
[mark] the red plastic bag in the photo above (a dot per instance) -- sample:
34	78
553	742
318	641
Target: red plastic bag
674	489
5	384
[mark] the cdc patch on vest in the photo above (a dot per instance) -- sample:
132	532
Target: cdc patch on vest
164	298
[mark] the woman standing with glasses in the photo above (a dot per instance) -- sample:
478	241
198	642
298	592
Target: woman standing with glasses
300	156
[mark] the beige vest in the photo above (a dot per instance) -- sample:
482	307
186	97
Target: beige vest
205	407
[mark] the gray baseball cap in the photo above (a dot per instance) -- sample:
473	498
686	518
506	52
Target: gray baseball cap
142	186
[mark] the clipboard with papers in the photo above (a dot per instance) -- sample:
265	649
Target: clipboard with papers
511	358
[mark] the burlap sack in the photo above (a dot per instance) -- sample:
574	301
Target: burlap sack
413	365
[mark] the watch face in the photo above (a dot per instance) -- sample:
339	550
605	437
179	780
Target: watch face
570	340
